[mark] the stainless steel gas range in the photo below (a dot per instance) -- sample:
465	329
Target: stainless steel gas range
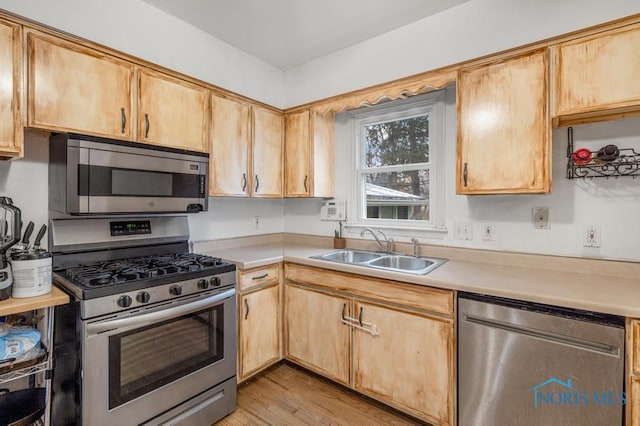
150	336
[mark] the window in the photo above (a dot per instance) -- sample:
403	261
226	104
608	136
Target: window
398	150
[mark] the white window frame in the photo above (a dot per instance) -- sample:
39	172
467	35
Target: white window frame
432	104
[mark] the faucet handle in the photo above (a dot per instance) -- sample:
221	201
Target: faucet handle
416	247
390	244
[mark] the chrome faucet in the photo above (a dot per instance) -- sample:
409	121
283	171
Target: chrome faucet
388	242
416	247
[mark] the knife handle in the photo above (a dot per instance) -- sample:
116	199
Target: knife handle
27	233
36	242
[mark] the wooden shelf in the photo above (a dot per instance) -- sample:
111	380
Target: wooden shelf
14	306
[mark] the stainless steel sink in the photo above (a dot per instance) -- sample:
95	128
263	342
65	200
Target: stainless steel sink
388	261
350	256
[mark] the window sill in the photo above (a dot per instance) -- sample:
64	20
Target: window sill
353	229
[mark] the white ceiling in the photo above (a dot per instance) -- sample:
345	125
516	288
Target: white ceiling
287	33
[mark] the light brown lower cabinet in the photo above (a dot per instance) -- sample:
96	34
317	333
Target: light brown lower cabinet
633	372
314	335
633	403
339	326
259	320
408	364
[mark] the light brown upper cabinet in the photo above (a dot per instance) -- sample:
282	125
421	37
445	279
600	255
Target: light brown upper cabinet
504	135
73	88
309	154
171	112
11	140
267	161
230	143
598	77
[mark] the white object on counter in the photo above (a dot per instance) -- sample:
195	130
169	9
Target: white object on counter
31	277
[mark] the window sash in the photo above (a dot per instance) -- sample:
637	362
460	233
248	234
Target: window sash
432	105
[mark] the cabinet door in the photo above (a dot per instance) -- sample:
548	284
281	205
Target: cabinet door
297	155
409	365
171	112
73	88
633	401
229	151
259	330
503	127
599	72
323	160
314	334
268	139
10	118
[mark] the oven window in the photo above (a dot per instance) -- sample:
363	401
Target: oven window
150	357
134	182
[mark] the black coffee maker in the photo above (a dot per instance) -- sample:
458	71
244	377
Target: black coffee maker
10	225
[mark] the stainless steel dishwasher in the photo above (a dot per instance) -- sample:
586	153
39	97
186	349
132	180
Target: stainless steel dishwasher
523	363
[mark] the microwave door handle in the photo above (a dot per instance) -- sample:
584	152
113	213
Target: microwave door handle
157	316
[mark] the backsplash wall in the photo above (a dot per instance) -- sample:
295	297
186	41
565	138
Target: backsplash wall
612	204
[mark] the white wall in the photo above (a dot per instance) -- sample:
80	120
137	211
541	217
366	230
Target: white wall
467	31
25	181
141	30
611	204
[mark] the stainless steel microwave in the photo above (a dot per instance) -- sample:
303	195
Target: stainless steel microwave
91	175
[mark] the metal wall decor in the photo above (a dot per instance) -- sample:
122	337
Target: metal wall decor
608	161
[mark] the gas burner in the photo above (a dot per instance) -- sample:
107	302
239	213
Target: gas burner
141	271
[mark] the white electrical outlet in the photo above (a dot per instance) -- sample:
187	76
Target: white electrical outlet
541	217
488	232
591	236
462	231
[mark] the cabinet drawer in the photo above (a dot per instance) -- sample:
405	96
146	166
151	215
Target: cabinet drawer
259	276
416	296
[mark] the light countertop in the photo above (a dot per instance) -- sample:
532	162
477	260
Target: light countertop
588	291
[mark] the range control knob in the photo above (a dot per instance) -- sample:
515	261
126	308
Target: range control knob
176	290
124	301
143	297
203	284
215	281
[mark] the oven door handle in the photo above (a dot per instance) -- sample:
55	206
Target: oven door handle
157	316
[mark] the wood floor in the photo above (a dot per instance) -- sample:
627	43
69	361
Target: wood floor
287	395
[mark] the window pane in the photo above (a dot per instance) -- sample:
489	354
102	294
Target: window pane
397	142
401	195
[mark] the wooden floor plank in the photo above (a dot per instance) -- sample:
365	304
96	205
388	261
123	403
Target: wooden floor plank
288	395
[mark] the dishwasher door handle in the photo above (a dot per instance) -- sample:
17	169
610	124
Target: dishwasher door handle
545	335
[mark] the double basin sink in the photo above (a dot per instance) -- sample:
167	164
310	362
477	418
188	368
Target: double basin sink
387	261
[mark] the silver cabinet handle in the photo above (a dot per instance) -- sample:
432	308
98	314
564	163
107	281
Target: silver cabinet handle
358	324
305	183
124	120
246	309
259	277
147	125
257	183
244	182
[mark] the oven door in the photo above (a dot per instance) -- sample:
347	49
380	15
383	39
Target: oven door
120	179
138	365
